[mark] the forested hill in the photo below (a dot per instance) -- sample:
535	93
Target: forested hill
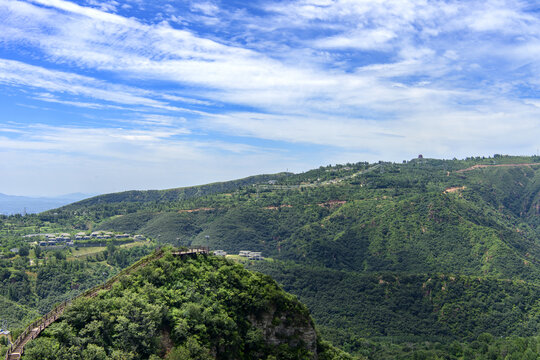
452	246
185	307
421	216
176	194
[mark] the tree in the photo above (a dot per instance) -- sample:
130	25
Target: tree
111	249
24	250
38	252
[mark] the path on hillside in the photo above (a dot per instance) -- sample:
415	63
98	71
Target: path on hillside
316	184
31	332
480	166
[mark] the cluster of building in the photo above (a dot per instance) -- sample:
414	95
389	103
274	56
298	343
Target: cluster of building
56	243
251	255
101	235
67	239
57	239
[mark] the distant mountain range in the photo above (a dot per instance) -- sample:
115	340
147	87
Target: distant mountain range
11	204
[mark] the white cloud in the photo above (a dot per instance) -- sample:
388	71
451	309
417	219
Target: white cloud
370	77
14	73
47	97
109	6
236	75
372	39
156	119
175	55
165	140
206	8
69	159
509	125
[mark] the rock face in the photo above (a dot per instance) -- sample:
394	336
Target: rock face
292	329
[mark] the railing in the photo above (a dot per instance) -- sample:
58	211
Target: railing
192	251
34	329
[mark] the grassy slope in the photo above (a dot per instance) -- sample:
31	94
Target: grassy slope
397	220
175	194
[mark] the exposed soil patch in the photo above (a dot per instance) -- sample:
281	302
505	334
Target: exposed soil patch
501	165
454	189
196	210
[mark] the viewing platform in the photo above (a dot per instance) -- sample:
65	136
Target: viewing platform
194	250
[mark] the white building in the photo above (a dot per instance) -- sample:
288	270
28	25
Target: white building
251	255
255	255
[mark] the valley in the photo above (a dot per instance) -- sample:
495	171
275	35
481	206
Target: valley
425	259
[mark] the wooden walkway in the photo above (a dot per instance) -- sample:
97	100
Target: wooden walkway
192	251
16	349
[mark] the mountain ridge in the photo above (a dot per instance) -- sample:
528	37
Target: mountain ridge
359	242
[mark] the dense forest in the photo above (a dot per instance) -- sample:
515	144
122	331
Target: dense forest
415	260
185	308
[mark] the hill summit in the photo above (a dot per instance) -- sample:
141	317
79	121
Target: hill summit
184	307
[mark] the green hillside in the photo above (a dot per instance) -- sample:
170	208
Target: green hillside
336	232
418	233
415	217
177	194
185	308
16	315
409	308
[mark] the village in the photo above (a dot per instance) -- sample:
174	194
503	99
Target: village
251	255
80	238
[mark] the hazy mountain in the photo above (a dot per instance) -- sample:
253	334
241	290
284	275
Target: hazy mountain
11	204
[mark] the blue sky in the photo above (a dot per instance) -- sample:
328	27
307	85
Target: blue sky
109	96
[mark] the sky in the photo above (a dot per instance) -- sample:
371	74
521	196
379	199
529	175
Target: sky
105	96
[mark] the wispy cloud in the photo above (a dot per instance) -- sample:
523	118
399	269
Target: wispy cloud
113	43
378	79
18	74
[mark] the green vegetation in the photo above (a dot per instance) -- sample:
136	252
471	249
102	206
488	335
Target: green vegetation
16	315
27	290
184	308
409	308
358	244
179	194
